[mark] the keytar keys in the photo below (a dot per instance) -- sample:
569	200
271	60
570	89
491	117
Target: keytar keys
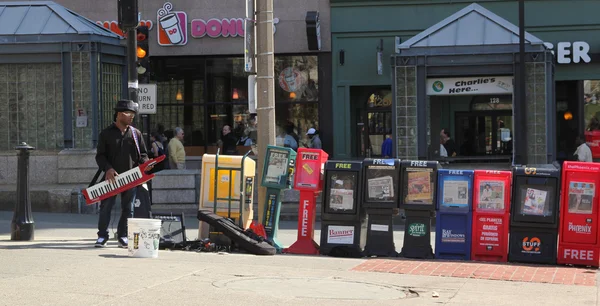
124	181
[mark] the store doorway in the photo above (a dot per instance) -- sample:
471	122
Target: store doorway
481	126
372	120
480	134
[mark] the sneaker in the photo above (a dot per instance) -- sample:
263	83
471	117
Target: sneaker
123	242
101	242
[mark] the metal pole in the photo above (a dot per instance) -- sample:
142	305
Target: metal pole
22	227
520	144
265	93
132	76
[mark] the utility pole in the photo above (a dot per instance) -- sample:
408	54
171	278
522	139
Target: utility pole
265	93
520	142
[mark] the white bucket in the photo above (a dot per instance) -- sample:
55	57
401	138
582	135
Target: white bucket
143	236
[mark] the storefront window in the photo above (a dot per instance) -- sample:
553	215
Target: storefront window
296	97
297	78
204	96
170	110
302	116
591	102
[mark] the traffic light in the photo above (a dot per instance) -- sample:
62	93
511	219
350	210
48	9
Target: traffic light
143	55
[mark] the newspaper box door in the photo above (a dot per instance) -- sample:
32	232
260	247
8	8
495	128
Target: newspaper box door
580	207
309	167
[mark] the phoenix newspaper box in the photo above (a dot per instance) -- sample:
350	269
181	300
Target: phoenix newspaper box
579	243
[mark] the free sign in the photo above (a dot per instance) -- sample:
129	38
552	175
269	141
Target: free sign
578	254
147	98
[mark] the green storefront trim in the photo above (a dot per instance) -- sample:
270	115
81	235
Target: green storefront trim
358	26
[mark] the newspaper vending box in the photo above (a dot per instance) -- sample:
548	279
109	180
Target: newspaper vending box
380	201
579	243
308	179
418	180
278	174
491	212
343	220
453	217
534	214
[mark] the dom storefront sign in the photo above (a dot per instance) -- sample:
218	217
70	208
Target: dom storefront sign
470	86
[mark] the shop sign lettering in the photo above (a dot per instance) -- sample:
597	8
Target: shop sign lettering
113	26
567	53
470	86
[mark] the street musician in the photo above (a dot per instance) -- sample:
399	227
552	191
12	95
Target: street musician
120	148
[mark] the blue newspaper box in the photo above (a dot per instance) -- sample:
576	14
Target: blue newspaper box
454	214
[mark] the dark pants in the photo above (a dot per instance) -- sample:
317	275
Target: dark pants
127	199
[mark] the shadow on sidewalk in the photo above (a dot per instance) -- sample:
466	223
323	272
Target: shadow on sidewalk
75	244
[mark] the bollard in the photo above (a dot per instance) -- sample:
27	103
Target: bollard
22	226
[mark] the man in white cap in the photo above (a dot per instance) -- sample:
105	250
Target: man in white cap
315	141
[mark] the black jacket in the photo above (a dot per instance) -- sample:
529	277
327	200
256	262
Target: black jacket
119	151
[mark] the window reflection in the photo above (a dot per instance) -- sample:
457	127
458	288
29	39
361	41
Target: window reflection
213	92
591	103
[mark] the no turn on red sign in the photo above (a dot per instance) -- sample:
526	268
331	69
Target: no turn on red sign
146	94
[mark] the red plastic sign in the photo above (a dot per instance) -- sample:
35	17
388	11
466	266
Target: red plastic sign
578	227
491	207
592	138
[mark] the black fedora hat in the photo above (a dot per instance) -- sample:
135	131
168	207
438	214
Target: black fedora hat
126	105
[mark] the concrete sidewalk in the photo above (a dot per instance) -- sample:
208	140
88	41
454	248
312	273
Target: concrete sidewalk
61	267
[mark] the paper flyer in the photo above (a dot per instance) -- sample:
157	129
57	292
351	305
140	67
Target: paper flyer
341	199
381	188
491	195
534	202
277	166
581	196
419	186
455	192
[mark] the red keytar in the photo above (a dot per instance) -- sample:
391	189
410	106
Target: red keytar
124	181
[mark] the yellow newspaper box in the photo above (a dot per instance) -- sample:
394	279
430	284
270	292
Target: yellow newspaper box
233	186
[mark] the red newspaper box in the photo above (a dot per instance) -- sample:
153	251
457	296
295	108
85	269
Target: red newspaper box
308	179
491	215
578	227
